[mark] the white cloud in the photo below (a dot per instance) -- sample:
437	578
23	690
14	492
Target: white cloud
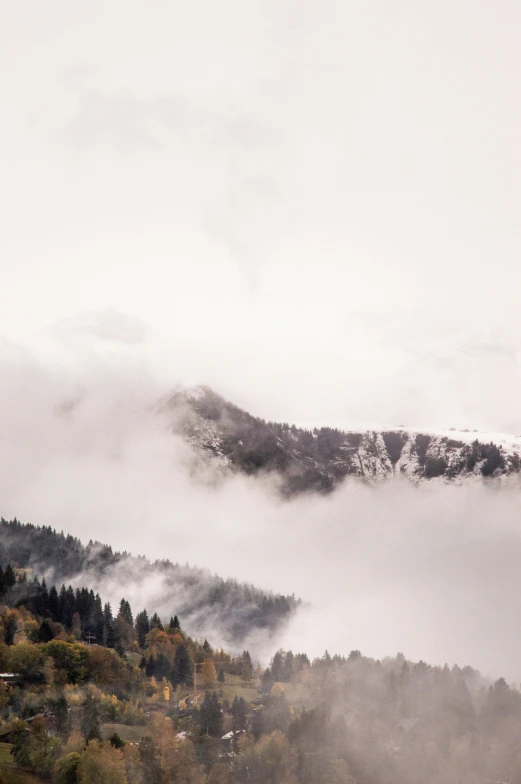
432	571
283	187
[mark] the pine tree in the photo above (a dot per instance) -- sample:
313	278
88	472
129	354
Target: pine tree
97	620
109	631
210	717
239	714
288	666
155	622
45	633
62	604
9	578
150	666
163	667
277	667
267	680
116	741
90	728
54	604
246	666
182	668
125	612
150	762
142	627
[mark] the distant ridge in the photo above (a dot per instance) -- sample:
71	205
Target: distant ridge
320	459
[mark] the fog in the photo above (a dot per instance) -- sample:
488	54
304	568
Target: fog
319	197
432	571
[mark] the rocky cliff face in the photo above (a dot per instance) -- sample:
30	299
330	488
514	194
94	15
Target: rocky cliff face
302	460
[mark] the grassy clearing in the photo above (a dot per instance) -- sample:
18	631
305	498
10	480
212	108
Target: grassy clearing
130	734
295	693
234	686
11	775
6	757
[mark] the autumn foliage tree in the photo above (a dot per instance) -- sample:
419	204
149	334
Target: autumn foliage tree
208	673
101	764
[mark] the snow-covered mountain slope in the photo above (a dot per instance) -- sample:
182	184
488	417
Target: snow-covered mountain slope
319	459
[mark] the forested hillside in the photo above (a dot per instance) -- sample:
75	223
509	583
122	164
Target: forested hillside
147	704
318	460
236	610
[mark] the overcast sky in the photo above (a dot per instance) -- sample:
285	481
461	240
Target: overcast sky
312	205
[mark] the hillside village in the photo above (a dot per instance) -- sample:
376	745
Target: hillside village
88	694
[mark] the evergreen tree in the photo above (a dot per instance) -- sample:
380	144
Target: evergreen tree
125	613
210	717
62	603
142	627
109	630
90	728
246	666
118	647
155	622
150	667
277	667
267	680
67	606
124	626
61	711
150	762
8	579
97	620
116	741
182	668
238	714
288	666
45	633
162	667
54	604
10	630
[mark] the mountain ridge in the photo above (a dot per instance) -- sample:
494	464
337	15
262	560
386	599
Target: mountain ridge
234	610
320	459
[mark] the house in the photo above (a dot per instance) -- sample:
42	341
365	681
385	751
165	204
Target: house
49	722
8	677
229	745
229	741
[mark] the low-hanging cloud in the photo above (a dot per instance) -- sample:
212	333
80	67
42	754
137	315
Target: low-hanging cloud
432	571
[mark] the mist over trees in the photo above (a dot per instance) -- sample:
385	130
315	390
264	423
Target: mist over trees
202	598
198	714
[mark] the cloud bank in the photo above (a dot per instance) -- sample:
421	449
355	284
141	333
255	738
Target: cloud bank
432	571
